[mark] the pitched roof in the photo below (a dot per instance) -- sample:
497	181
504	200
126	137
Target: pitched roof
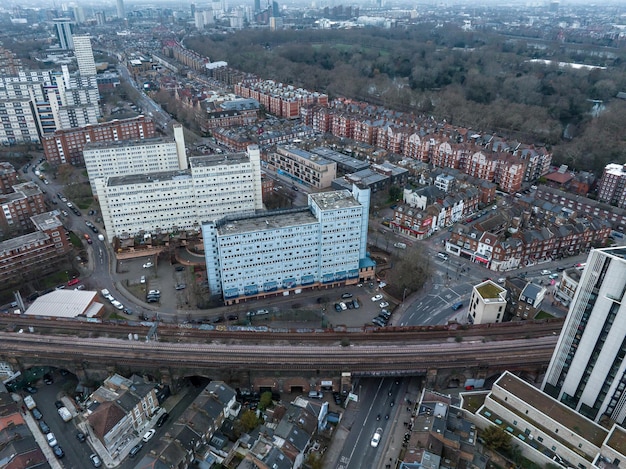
105	417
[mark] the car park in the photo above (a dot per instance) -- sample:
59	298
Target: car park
383	304
52	441
95	460
377	297
148	435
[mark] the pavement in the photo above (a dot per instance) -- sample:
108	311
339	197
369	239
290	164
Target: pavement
117	458
41	440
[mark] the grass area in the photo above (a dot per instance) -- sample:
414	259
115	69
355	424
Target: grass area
490	291
475	402
57	278
543	315
75	240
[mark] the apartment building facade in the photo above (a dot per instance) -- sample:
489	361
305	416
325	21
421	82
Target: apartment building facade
181	200
8	177
587	371
281	251
487	303
302	166
35	253
612	185
66	146
19	206
125	157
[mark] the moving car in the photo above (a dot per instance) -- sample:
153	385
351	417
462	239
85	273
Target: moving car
376	438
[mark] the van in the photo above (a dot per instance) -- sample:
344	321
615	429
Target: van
457	306
442	255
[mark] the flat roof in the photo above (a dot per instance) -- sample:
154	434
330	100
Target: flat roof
266	221
617	439
489	290
128	143
216	160
65	304
148	178
340	158
47	221
567	417
305	155
334	200
11	244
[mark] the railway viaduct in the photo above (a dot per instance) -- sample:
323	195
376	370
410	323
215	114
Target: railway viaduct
280	360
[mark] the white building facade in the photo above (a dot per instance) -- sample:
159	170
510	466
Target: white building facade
283	251
487	303
587	371
123	158
169	201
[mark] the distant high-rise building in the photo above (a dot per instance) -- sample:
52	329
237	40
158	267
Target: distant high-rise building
257	6
554	6
121	14
193	9
587	371
64	33
79	14
84	55
275	9
100	18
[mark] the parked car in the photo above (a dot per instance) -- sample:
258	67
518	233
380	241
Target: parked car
147	265
43	426
134	450
356	304
58	451
59	404
180	268
95	460
377	297
346	295
142	279
47	378
383	304
154	292
148	435
37	414
117	304
52	441
162	419
338	307
80	436
180	286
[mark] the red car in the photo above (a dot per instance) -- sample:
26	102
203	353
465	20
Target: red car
72	282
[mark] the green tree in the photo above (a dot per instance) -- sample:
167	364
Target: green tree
314	461
265	401
247	421
395	193
496	438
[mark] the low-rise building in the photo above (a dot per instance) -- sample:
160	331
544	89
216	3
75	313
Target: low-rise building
487	303
545	430
570	278
302	167
19	206
8	177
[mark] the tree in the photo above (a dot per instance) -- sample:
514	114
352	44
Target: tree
247	421
395	193
265	401
496	438
314	461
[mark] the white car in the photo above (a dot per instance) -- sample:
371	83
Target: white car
377	298
149	434
545	272
117	304
147	265
142	279
376	437
383	304
52	441
343	306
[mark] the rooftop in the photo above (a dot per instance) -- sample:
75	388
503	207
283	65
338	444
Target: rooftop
65	303
128	143
334	200
490	291
217	160
148	178
266	221
558	412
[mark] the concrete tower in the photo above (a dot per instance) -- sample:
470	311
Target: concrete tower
121	13
84	55
64	33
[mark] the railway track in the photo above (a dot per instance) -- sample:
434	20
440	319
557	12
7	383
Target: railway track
233	334
380	357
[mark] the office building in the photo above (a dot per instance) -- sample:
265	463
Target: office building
282	251
105	159
84	56
181	199
64	33
587	371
